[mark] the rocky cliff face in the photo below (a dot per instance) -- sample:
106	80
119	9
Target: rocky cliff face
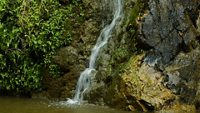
171	30
166	73
170	27
152	61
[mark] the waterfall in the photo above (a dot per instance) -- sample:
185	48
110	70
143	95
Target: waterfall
85	77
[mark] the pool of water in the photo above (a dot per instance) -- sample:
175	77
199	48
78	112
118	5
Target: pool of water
24	105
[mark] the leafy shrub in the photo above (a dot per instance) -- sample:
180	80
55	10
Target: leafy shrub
31	31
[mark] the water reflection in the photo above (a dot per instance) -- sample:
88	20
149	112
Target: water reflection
22	105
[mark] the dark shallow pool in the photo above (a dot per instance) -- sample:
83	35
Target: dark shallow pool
24	105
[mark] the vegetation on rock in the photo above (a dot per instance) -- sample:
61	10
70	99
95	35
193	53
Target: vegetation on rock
31	31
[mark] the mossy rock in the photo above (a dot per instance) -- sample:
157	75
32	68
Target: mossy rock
138	87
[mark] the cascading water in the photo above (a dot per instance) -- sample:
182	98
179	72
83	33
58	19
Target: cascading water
85	77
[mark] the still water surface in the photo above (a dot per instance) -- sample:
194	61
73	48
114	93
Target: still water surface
24	105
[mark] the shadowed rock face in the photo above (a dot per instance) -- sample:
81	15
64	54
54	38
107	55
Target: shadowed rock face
183	75
170	27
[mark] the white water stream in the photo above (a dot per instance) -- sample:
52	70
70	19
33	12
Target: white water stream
85	77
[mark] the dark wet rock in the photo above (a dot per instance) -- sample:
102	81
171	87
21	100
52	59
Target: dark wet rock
183	76
169	27
66	58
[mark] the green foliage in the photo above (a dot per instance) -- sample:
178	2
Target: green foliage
31	31
136	11
121	54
